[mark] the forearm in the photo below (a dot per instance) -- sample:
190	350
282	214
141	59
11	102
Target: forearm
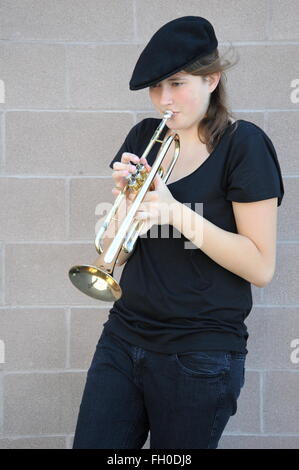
232	251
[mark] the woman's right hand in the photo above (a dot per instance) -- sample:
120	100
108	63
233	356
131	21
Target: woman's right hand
123	169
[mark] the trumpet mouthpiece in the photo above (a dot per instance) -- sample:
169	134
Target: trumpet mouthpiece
167	114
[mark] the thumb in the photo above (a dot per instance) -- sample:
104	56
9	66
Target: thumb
158	181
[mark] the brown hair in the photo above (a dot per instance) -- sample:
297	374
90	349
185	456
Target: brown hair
218	116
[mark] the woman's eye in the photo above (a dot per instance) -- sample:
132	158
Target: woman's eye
174	83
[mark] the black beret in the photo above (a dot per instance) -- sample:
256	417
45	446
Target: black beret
174	46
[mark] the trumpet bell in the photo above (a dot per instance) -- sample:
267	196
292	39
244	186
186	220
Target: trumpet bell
95	282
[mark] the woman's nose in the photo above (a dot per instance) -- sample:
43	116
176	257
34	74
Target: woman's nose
166	96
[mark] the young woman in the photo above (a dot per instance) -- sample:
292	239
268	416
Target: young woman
171	357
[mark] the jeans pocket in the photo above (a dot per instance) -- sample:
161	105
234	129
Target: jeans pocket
238	365
205	364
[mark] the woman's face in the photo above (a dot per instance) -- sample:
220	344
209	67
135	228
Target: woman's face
187	95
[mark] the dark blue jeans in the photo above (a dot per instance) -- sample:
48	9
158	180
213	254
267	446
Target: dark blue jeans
185	400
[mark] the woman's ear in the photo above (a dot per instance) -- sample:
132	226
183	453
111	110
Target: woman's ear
213	80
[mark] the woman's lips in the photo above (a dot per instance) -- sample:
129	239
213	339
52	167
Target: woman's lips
174	113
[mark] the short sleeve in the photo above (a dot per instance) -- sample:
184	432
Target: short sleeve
254	172
127	146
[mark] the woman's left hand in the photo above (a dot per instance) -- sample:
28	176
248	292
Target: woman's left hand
157	206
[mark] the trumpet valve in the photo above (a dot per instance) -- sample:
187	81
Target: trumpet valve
136	179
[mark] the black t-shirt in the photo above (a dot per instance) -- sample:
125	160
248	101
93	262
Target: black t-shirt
177	299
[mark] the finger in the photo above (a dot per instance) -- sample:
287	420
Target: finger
120	183
145	206
142	215
118	166
129	157
119	174
116	191
144	162
131	196
123	166
158	182
152	195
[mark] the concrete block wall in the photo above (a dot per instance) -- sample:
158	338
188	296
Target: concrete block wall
65	109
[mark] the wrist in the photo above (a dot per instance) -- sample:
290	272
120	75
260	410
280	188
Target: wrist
175	212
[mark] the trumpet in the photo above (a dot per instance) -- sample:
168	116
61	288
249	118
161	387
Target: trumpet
96	280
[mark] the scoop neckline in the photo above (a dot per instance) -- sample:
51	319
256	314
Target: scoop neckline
208	158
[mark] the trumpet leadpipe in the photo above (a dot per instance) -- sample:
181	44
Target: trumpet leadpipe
122	232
